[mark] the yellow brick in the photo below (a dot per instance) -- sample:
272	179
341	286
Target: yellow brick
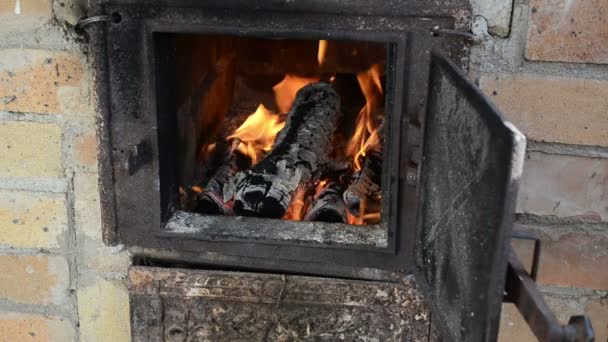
33	328
40	279
568	31
85	150
93	253
30	149
42	82
556	109
24	15
32	219
103	310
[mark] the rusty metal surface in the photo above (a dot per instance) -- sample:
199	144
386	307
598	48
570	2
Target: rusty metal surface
185	305
521	289
472	160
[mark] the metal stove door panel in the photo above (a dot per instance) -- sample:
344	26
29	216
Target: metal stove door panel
472	161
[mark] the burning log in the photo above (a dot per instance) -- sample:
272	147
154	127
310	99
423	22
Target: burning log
298	154
328	205
364	191
211	200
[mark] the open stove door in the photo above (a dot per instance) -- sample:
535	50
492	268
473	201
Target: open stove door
472	163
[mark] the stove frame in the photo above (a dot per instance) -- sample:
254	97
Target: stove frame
134	181
133	139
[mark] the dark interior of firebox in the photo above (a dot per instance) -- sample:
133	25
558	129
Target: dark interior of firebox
280	128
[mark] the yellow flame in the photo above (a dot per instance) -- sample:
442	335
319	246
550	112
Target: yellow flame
371	142
321	51
297	207
364	138
285	91
256	135
320	186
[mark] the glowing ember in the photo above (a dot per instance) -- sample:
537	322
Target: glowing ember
363	138
322	51
298	206
197	189
256	135
320	186
285	91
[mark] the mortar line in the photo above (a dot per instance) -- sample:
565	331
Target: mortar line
572	292
554	222
589	151
72	250
12	250
45	185
48	310
31	117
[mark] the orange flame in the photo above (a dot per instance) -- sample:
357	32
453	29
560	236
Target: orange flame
321	51
285	91
365	136
298	206
320	186
256	135
371	142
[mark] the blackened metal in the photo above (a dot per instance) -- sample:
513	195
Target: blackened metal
387	8
471	163
98	49
583	331
86	21
139	55
438	31
522	291
139	155
536	251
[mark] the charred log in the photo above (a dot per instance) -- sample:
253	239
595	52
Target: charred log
364	191
211	200
299	153
328	205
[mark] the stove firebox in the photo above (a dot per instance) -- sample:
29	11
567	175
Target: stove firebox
258	132
310	137
279	128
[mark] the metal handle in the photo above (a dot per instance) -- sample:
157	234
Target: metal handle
535	254
521	290
437	31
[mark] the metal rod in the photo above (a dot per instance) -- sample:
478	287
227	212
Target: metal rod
85	21
438	31
521	289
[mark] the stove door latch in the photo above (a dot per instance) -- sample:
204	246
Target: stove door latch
521	290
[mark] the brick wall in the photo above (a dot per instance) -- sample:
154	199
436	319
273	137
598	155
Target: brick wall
58	282
549	75
542	61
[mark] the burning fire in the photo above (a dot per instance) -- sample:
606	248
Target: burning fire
285	91
298	206
365	136
321	51
320	186
255	138
256	135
